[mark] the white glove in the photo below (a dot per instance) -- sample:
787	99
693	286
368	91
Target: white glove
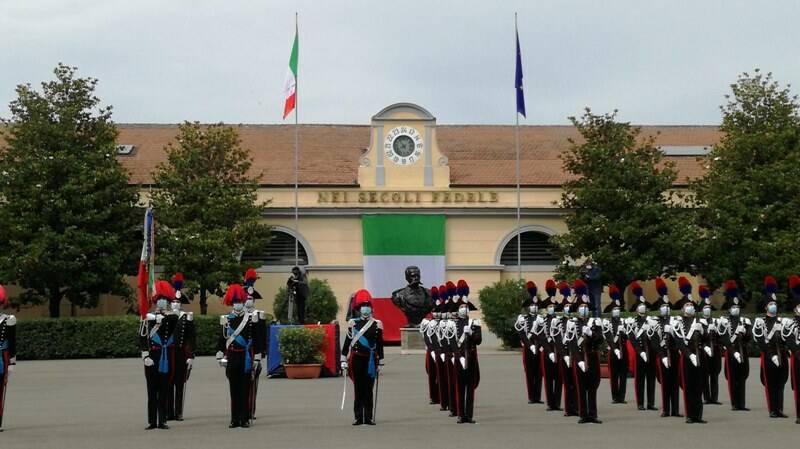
775	360
189	362
441	356
453	360
708	351
646	327
552	357
343	365
587	331
618	353
567	361
643	355
256	364
148	361
712	328
12	367
468	330
463	362
741	329
582	366
665	362
533	349
433	356
693	359
697	327
223	362
220	355
778	327
668	328
737	356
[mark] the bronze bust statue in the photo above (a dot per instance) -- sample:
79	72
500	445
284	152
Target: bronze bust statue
414	300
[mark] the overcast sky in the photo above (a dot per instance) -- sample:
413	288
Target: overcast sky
165	61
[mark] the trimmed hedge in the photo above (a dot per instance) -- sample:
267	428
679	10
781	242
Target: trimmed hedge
97	337
500	304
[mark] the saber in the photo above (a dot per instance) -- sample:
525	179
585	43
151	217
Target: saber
290	312
344	390
375	404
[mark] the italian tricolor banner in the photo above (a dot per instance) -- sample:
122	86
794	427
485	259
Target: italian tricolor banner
290	85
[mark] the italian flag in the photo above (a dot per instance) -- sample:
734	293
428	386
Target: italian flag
290	85
392	243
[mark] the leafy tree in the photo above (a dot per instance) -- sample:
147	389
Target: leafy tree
206	208
622	211
68	215
747	202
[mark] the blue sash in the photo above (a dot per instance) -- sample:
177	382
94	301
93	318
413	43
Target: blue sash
3	347
248	362
371	364
163	362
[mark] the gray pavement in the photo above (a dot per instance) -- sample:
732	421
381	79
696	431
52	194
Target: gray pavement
101	404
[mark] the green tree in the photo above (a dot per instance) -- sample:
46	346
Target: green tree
747	202
207	209
68	216
622	210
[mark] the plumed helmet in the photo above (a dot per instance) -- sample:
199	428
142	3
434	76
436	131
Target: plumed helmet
250	277
530	286
451	289
162	289
3	297
731	289
661	287
580	287
614	293
704	292
684	285
636	289
550	287
235	293
435	293
563	288
177	281
462	288
794	286
770	285
362	298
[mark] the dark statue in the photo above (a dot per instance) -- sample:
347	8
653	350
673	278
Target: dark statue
414	300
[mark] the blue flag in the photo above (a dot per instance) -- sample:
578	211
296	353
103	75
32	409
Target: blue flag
518	80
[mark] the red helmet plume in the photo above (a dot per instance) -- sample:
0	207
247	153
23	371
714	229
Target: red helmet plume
362	297
162	289
234	294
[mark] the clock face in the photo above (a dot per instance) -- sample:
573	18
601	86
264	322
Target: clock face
403	145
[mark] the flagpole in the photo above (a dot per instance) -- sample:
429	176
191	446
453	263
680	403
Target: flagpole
516	138
296	148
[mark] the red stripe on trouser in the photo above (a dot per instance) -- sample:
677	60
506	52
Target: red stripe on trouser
611	379
682	366
663	385
563	384
458	393
794	383
730	379
580	395
525	369
636	379
765	380
546	382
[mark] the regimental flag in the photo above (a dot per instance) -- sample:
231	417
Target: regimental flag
394	242
518	77
146	276
290	85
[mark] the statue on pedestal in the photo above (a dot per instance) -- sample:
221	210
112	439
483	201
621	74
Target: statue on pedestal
414	300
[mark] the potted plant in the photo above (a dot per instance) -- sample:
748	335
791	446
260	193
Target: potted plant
302	351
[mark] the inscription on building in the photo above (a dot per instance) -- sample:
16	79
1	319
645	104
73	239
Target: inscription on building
405	197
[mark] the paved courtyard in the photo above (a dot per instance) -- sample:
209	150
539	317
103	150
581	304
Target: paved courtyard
101	404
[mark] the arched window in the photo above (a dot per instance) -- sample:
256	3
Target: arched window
535	247
279	251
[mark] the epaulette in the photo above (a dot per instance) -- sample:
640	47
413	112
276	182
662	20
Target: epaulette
746	321
11	320
379	323
223	320
189	316
262	315
150	317
254	317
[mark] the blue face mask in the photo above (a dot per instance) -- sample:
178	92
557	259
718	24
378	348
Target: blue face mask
249	303
366	310
772	309
583	312
161	304
238	306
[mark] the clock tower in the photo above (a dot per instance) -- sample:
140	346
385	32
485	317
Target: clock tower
403	153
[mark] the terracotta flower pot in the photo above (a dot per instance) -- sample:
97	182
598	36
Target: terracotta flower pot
604	370
303	371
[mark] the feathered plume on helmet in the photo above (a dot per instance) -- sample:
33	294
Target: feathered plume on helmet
550	287
451	290
636	289
530	286
462	289
661	287
435	293
250	278
177	284
794	291
684	285
235	293
563	289
580	287
362	297
731	295
162	289
705	293
3	297
770	285
614	293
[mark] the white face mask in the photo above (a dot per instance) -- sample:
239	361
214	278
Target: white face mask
734	311
706	312
689	311
641	309
797	310
462	312
162	304
583	312
533	310
664	310
175	306
249	303
566	309
238	306
615	313
365	311
551	310
772	309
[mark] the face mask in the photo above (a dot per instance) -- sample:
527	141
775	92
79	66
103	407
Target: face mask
462	312
238	306
175	306
551	310
566	310
161	304
615	313
706	312
533	310
249	303
641	309
797	310
664	310
734	311
583	312
772	309
689	311
365	310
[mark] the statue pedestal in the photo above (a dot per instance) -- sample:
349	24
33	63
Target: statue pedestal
411	341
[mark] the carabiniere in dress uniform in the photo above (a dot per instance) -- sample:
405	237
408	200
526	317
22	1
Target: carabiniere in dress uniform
8	350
